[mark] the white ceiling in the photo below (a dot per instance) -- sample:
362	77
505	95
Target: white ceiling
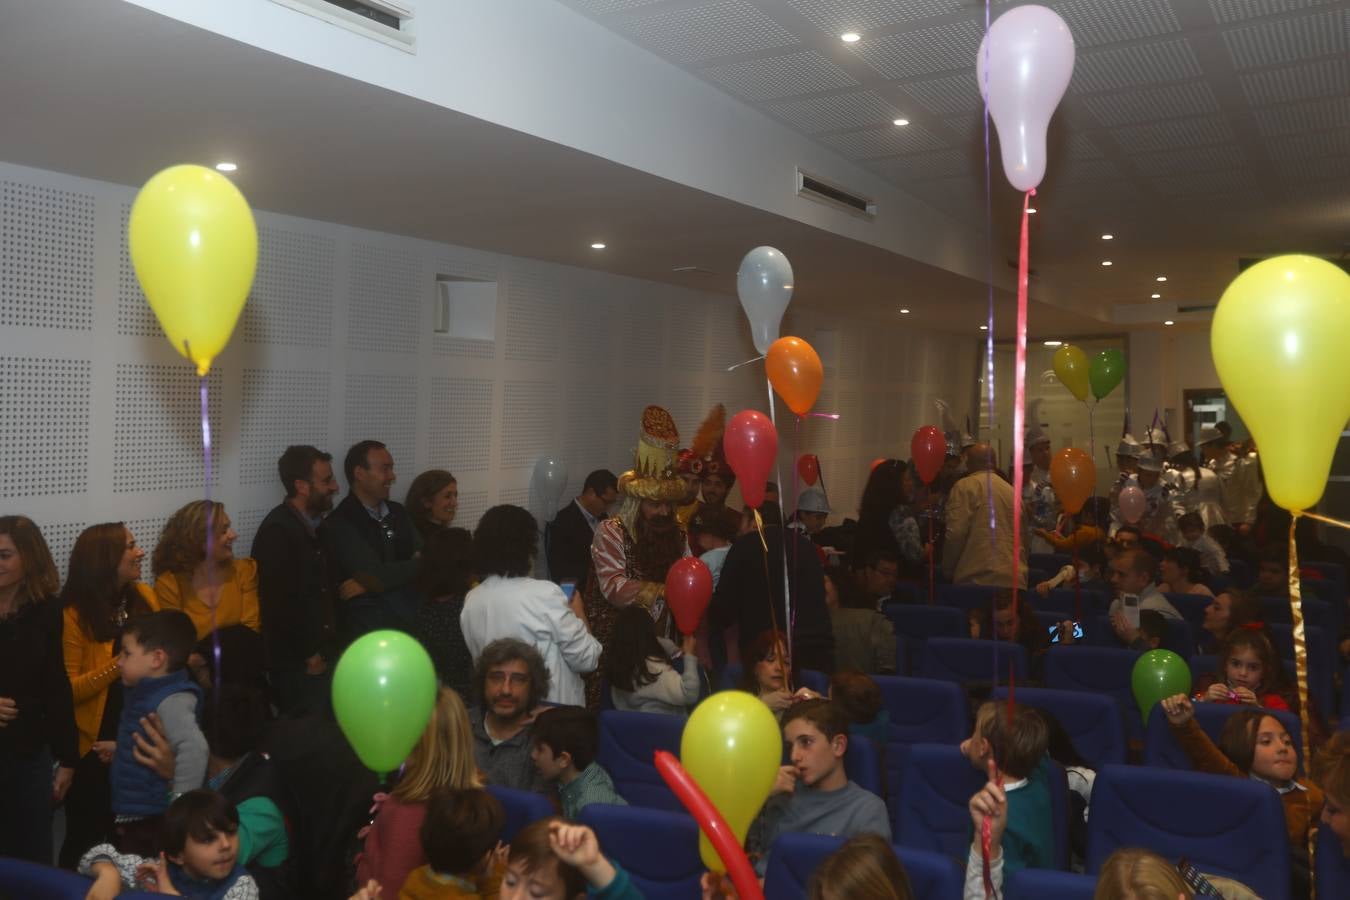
1195	131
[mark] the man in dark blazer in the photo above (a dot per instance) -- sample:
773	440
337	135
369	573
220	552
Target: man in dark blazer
568	537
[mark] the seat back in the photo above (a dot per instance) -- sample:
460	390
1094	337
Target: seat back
659	849
1179	637
795	857
1321	661
1094	722
23	880
1192	609
913	621
1202	664
1058	783
862	764
1050	562
965	660
522	808
1224	825
966	596
1162	750
1331	872
1043	884
628	741
1276	611
1101	670
931	813
1093	603
816	681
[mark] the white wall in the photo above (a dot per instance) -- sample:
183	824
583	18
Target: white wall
99	418
1164	364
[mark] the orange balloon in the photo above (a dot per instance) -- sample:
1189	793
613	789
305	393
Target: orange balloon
795	373
876	462
1074	478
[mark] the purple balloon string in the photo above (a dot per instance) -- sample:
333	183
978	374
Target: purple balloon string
989	335
210	508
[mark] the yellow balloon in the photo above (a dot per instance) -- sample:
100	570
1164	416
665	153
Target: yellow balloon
194	245
1279	343
1071	368
732	747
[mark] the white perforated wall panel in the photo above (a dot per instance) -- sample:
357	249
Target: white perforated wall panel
157	427
383	407
385	293
292	299
280	407
460	425
46	257
44	428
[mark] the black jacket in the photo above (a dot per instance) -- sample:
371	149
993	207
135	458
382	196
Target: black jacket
742	597
256	776
295	589
33	675
568	540
359	547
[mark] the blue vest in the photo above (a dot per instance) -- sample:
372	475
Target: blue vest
136	789
192	889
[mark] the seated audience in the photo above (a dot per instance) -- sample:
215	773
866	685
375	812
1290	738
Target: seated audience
860	699
509	683
197	855
864	639
459	840
432	501
865	868
878	574
1213	559
39	747
1272	572
1012	745
1229	610
508	603
1132	576
565	742
1249	672
641	675
553	860
1181	573
1014	620
442	759
444	576
812	793
1090	573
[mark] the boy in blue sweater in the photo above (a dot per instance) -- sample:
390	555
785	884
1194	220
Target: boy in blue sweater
155	650
1011	746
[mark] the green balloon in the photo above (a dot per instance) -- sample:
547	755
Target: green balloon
384	688
1105	372
1158	674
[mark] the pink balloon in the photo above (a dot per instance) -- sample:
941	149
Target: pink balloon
751	445
1133	503
1023	68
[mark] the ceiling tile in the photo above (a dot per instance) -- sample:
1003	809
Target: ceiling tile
888	141
941	48
1309	146
1131	66
1323	169
862	109
938	164
698	33
948	95
1080	146
609	7
1173	133
1073	171
1169	102
1242	10
838	16
1317	116
1096	22
1330	77
1284	41
1231	182
1190	159
772	77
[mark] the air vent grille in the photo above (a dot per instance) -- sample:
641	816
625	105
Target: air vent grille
386	21
815	188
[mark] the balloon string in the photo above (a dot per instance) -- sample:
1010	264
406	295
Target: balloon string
788	617
789	533
746	363
989	273
1324	519
834	416
1300	638
768	594
1077	582
1020	395
210	509
932	573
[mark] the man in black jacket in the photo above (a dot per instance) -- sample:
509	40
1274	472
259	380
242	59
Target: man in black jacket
294	590
568	537
373	546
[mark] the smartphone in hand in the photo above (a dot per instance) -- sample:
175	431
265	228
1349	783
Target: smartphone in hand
1129	604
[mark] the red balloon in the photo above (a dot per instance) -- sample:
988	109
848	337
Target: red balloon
714	826
809	468
929	449
689	587
751	445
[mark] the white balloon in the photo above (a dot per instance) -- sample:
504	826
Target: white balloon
764	283
1023	67
547	484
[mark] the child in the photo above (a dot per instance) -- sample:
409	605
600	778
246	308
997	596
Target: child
155	650
1272	573
1014	744
459	838
198	857
641	676
865	868
552	860
565	739
1331	770
1249	672
859	698
1091	573
1152	630
813	793
1087	530
713	536
1212	557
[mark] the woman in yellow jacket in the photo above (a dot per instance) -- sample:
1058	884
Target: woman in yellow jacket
218	592
102	590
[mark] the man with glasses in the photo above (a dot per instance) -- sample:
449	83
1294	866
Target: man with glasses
373	545
509	681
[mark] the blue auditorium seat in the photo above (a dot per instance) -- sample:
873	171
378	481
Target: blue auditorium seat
965	660
795	857
1162	750
1093	603
966	596
24	880
932	812
913	621
1331	867
816	681
522	808
659	849
921	711
862	763
1092	721
628	741
1202	664
1043	884
1180	638
1276	611
1224	825
1321	659
1102	670
1334	589
1241	573
1192	608
1058	783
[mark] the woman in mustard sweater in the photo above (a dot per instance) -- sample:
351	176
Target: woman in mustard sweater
103	589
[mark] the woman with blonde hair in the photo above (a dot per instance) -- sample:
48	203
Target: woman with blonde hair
443	758
865	868
1135	874
217	592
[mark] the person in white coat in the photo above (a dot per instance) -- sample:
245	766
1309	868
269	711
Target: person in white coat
508	603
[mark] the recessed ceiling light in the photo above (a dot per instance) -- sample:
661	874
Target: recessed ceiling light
1108	237
597	246
850	37
1169	322
1161	278
984	327
904	312
901	122
1054	343
1156	296
1031	210
1106	262
226	167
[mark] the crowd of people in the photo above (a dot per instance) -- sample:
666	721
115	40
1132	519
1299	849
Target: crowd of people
186	728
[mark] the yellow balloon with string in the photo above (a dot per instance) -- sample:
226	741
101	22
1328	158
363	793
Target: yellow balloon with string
194	245
1279	341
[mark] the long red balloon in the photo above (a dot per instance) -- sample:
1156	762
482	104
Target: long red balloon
713	825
